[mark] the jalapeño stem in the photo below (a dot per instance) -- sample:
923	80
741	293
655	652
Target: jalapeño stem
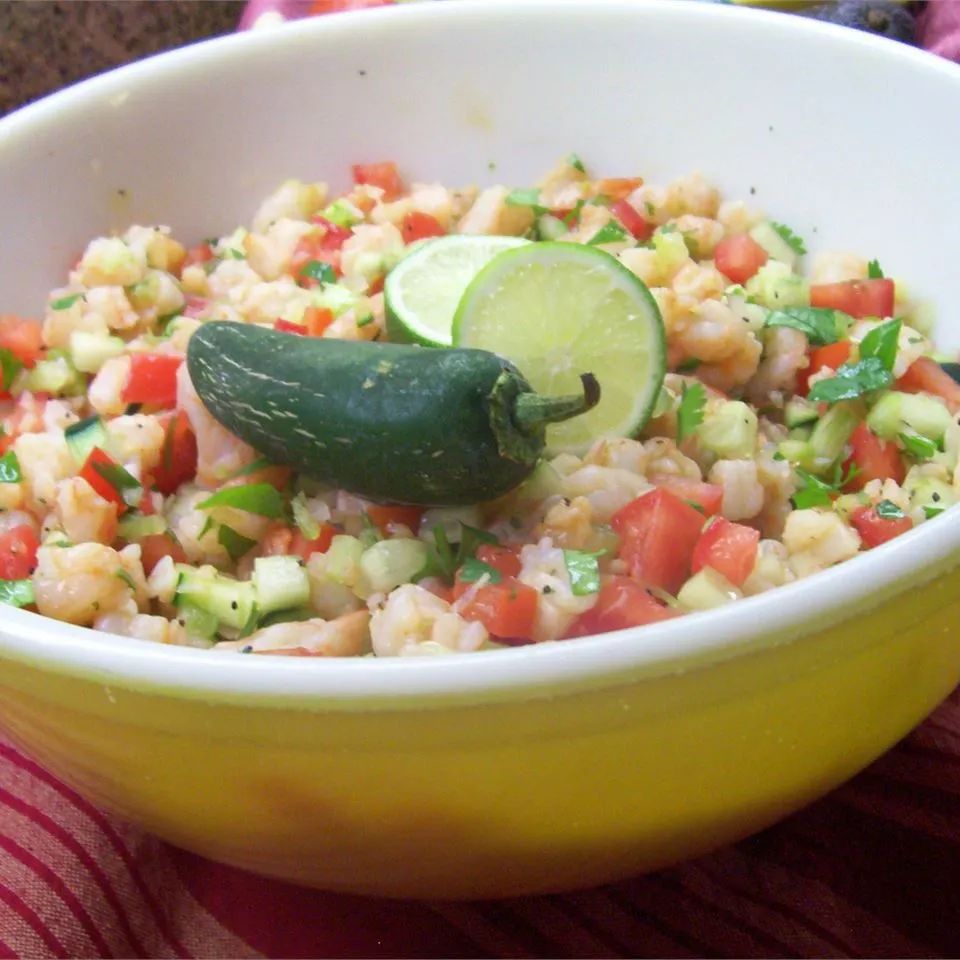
533	411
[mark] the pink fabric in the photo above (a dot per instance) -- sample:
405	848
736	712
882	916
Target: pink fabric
938	28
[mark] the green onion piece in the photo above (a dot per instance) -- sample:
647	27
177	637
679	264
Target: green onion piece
64	303
261	499
528	197
918	446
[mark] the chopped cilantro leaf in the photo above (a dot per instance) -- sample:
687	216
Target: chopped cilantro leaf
10	468
574	161
473	569
319	270
874	272
693	399
611	232
881	342
10	366
790	238
917	445
526	197
365	321
815	492
261	499
822	325
852	380
583	570
888	510
16	593
64	303
931	512
234	543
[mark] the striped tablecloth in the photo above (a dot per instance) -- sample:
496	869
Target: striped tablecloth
873	870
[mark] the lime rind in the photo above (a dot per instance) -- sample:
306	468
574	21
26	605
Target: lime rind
557	310
422	291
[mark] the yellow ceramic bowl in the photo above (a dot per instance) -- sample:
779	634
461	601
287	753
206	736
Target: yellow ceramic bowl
539	768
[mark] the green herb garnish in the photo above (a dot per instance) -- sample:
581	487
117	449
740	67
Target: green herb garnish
124	482
10	366
610	232
852	380
583	570
574	161
234	543
881	342
10	468
320	271
931	512
888	510
874	272
261	499
526	197
815	492
917	445
822	325
693	400
64	303
473	569
127	579
790	238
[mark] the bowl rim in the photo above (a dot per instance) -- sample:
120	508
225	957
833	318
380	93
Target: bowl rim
693	641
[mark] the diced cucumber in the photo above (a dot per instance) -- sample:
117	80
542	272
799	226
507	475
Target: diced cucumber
56	375
550	227
90	351
929	493
730	431
451	519
280	582
334	297
798	452
230	601
777	248
137	526
197	621
847	503
542	483
671	249
342	213
803	432
775	286
83	436
343	559
895	413
832	431
799	411
706	590
390	563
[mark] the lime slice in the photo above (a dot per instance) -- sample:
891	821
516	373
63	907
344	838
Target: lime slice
557	310
422	291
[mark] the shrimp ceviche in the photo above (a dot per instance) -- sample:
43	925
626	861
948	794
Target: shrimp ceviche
804	416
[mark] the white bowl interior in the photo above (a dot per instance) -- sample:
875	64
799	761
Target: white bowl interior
840	135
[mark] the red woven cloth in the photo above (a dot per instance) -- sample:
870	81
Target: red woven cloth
871	871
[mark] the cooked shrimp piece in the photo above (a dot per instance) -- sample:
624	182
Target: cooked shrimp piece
220	454
78	584
414	621
83	514
142	626
347	636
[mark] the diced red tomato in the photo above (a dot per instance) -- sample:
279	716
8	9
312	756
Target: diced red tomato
18	552
507	609
376	286
332	236
832	355
309	248
926	375
875	459
301	547
383	175
621	603
155	547
152	379
857	298
709	496
729	548
100	483
617	188
658	531
419	226
874	529
317	319
286	326
739	257
178	460
628	215
505	560
385	514
23	338
201	253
